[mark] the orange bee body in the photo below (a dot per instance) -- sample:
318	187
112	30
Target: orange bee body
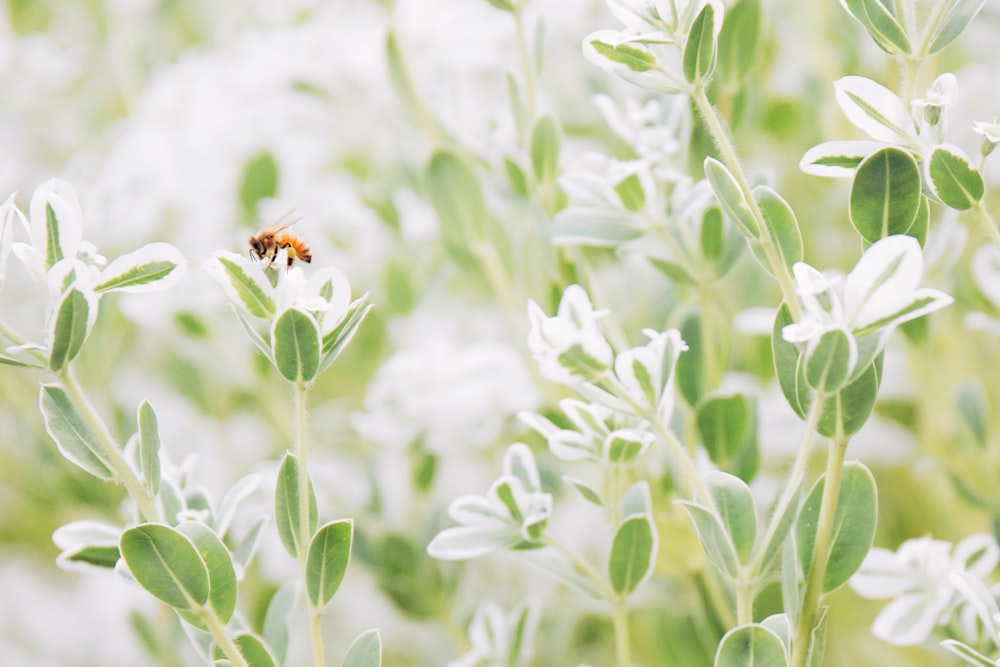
266	244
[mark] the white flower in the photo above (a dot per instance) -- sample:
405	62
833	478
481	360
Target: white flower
501	639
570	346
990	131
647	371
917	576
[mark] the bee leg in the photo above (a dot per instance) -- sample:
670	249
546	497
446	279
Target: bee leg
290	260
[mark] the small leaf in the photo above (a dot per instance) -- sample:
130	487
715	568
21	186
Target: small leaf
631	193
953	178
90	543
594	227
782	227
633	554
723	424
713	537
712	235
253	650
730	197
296	341
837	159
365	651
738	40
634	56
337	339
287	514
589	493
149	447
954	22
167	564
279	610
329	554
260	180
736	508
875	109
973	407
458	200
786	360
850	409
221	575
885	196
830	361
701	48
71	434
155	266
751	645
545	142
515	174
71	323
878	19
853	529
252	294
677	273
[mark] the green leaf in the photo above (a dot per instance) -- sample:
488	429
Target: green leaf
691	365
633	553
255	300
973	408
723	424
589	493
829	363
515	174
595	227
71	324
631	193
365	651
885	196
337	339
781	226
953	178
154	266
713	537
751	646
260	180
76	442
730	197
953	23
881	24
53	246
287	515
329	554
456	196
735	505
712	234
505	5
295	341
771	550
149	447
221	574
701	49
90	542
677	273
636	58
545	140
850	408
786	360
167	564
853	528
253	650
738	40
279	610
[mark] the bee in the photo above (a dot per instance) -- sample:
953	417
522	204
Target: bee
267	243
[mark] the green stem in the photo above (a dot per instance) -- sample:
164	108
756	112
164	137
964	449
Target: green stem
582	566
17	339
526	72
732	162
623	644
937	13
112	452
802	644
305	527
497	275
989	224
221	637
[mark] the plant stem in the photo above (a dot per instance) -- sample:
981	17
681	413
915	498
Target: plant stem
17	339
802	644
221	637
582	566
989	224
526	73
305	525
732	162
112	452
496	274
623	646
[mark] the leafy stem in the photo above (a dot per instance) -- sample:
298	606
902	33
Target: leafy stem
528	79
989	224
732	162
123	472
221	637
802	646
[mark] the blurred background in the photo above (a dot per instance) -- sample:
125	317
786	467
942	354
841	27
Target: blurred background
198	123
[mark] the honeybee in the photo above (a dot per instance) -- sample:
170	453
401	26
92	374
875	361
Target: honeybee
267	243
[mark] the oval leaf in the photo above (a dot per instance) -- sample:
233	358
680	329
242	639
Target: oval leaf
279	609
713	537
545	148
885	196
458	201
853	528
830	360
246	285
71	434
875	109
155	266
221	574
253	650
296	341
736	508
167	564
365	651
751	646
149	447
329	554
633	553
881	23
958	17
71	324
723	424
287	514
730	197
837	159
701	47
786	360
953	178
782	227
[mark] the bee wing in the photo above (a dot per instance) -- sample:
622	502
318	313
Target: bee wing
285	221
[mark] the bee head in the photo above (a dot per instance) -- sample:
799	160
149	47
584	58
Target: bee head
256	247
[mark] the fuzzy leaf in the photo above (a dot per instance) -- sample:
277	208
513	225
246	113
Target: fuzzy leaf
71	323
875	109
296	342
701	49
329	554
287	513
155	266
885	196
365	651
149	447
633	553
545	142
167	564
71	434
751	645
953	178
